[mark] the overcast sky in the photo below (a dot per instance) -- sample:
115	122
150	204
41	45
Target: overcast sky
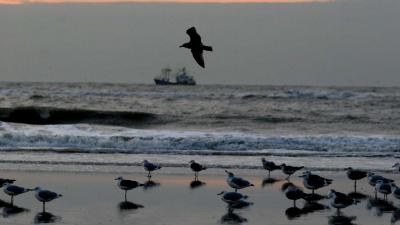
344	42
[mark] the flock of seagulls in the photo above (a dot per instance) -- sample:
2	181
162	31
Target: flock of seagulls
311	181
234	199
41	195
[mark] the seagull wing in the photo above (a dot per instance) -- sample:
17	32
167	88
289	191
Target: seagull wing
194	36
48	195
198	56
241	182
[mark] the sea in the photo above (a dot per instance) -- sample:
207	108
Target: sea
96	126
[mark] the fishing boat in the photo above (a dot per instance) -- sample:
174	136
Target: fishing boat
181	78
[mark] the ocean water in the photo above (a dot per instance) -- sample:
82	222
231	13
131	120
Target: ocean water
82	124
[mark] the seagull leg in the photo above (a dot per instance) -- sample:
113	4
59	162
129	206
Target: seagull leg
149	175
355	186
125	194
44	209
338	212
294	203
269	174
235	190
12	199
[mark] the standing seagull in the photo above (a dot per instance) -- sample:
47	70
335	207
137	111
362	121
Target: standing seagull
396	191
270	166
383	188
127	185
355	175
340	200
45	196
14	190
3	181
373	179
237	182
397	166
196	167
314	182
149	167
289	170
196	46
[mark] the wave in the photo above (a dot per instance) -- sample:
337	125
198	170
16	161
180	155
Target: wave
48	115
100	139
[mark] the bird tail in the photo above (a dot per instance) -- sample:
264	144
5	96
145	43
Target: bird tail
207	48
141	185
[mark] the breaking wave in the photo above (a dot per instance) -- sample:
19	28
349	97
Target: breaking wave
47	115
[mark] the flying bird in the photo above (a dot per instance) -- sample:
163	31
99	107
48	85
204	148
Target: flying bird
196	46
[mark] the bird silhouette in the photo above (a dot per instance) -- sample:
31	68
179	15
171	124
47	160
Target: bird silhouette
196	46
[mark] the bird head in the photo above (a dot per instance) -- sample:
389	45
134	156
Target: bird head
221	193
397	165
229	173
191	161
119	178
282	165
349	168
37	189
331	194
263	159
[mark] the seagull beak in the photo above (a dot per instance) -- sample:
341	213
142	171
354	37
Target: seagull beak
226	171
302	175
220	193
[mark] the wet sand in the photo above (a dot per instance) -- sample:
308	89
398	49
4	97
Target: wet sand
94	198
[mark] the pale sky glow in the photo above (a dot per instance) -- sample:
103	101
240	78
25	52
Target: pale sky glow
17	2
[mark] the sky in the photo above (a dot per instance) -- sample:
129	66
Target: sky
272	42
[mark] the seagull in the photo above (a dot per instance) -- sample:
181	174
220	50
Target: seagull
14	190
314	182
383	188
294	193
127	185
196	46
355	175
396	191
373	179
270	166
232	197
397	166
149	167
3	181
45	196
237	182
289	170
340	200
196	167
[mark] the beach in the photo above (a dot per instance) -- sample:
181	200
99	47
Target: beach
93	198
75	139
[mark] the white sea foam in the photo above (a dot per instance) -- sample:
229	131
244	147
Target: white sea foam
95	138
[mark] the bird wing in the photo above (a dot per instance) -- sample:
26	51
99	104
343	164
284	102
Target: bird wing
194	36
129	183
198	56
240	182
48	195
15	189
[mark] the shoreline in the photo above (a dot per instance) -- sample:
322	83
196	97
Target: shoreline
93	198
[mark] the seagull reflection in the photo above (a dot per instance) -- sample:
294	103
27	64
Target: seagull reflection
150	184
341	220
308	208
269	181
126	205
311	207
11	210
46	217
313	197
285	186
196	184
358	195
381	206
293	213
232	218
395	216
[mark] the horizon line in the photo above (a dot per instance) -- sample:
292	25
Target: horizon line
24	2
